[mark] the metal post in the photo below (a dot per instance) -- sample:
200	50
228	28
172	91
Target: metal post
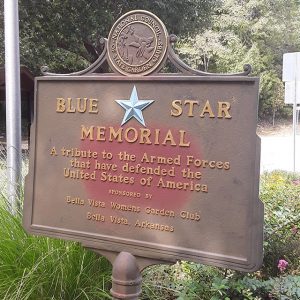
13	101
294	133
126	278
295	118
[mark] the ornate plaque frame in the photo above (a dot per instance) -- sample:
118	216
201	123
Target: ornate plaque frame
223	227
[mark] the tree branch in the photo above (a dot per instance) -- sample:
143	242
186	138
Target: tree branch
66	46
91	50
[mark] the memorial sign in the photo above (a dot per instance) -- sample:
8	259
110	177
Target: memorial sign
163	166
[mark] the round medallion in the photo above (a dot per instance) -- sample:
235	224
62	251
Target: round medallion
137	43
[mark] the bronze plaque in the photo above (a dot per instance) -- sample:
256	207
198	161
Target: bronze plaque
165	167
162	167
137	43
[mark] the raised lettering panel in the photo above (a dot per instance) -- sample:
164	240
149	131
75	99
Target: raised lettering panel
184	186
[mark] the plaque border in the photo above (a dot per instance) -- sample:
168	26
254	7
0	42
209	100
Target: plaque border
140	248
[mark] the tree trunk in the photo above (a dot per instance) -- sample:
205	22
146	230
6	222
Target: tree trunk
273	118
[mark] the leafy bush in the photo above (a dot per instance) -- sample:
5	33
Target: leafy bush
280	192
286	288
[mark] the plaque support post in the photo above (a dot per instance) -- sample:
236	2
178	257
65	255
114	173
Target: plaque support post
13	102
126	278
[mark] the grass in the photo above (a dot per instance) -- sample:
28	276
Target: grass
38	268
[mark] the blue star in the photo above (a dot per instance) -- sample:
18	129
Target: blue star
133	107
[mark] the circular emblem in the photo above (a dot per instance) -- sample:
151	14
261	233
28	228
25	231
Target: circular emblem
137	43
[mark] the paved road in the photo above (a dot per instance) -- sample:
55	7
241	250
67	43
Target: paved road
277	152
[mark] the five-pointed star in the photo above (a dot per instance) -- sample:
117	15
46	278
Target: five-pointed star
133	107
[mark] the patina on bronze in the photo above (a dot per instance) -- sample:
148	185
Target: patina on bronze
164	166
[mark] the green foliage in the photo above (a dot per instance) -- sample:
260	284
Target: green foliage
280	193
64	34
284	287
42	268
255	32
184	280
190	281
217	36
272	91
